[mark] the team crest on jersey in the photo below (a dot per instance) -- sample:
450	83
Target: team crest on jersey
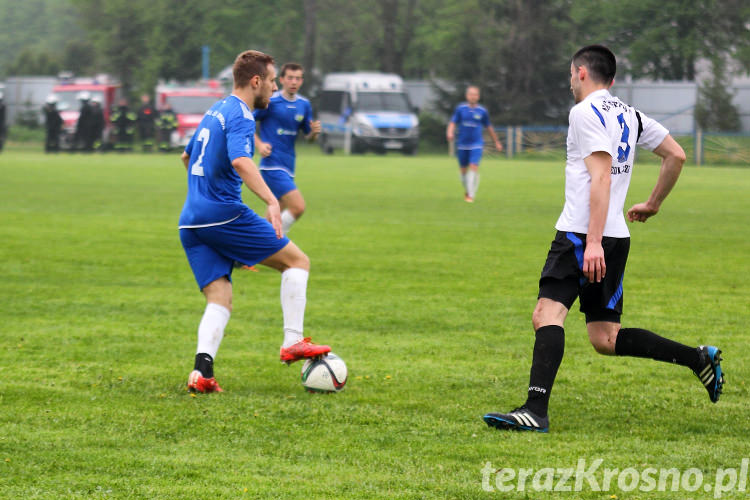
477	116
299	117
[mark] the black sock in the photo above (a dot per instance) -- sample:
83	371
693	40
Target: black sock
645	344
204	363
548	353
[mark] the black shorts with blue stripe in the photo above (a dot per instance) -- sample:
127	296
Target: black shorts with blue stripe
563	281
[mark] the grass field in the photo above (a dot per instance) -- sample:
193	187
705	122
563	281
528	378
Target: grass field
427	298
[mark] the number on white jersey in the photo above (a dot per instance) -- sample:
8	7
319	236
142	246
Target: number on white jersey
622	154
203	137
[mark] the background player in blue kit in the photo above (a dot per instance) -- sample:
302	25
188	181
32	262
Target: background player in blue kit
471	119
217	228
279	123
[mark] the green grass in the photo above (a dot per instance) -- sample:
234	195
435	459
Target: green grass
427	298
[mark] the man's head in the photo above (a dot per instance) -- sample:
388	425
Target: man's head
593	67
472	94
145	99
291	77
254	70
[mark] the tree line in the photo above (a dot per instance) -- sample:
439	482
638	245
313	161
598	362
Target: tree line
517	51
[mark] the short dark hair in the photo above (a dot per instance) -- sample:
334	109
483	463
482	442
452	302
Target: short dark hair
249	64
291	66
599	60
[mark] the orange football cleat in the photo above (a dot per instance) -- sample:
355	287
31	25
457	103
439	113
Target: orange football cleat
301	350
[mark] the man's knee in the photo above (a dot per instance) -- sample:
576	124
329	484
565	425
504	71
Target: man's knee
603	336
548	312
219	292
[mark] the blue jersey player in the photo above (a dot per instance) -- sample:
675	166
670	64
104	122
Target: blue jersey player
279	124
217	228
471	119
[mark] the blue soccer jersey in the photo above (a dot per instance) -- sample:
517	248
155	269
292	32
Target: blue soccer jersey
471	122
279	125
214	188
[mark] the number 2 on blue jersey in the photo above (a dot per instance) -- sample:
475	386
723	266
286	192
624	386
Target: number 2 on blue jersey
622	154
203	137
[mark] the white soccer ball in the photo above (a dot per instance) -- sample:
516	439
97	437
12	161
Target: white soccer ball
325	374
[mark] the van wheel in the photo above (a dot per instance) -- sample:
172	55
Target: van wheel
324	146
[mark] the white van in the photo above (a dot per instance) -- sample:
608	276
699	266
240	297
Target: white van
366	111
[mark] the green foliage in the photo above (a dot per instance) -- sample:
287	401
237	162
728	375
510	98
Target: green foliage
432	131
714	110
34	62
427	298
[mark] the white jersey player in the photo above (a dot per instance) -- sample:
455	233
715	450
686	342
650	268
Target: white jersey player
588	256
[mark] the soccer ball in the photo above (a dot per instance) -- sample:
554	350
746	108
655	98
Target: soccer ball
324	374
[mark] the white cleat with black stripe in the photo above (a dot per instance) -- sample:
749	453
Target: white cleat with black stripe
709	371
520	419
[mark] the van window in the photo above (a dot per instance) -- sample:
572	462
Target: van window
383	101
331	100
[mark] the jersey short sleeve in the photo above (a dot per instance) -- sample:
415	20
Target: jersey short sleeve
485	119
653	133
455	118
590	130
240	132
189	147
305	125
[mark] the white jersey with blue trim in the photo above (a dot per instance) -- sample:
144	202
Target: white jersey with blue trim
214	195
601	122
280	123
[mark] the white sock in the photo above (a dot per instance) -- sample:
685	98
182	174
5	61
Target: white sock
470	175
463	181
287	219
293	300
211	328
475	187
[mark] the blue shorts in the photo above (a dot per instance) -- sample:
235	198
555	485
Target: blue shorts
469	156
279	181
212	251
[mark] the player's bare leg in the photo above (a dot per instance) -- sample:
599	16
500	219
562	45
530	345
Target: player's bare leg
292	208
294	266
218	295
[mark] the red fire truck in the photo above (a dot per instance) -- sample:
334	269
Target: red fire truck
189	104
68	92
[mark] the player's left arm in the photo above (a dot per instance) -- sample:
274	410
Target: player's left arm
672	158
314	127
498	144
185	159
599	165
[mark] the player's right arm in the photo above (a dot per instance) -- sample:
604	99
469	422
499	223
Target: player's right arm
250	175
450	133
599	165
264	148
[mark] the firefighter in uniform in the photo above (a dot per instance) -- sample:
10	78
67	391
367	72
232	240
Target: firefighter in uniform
146	123
82	140
2	120
97	122
123	121
53	125
166	123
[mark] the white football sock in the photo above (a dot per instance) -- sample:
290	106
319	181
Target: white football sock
287	219
293	301
463	182
211	328
475	187
470	175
